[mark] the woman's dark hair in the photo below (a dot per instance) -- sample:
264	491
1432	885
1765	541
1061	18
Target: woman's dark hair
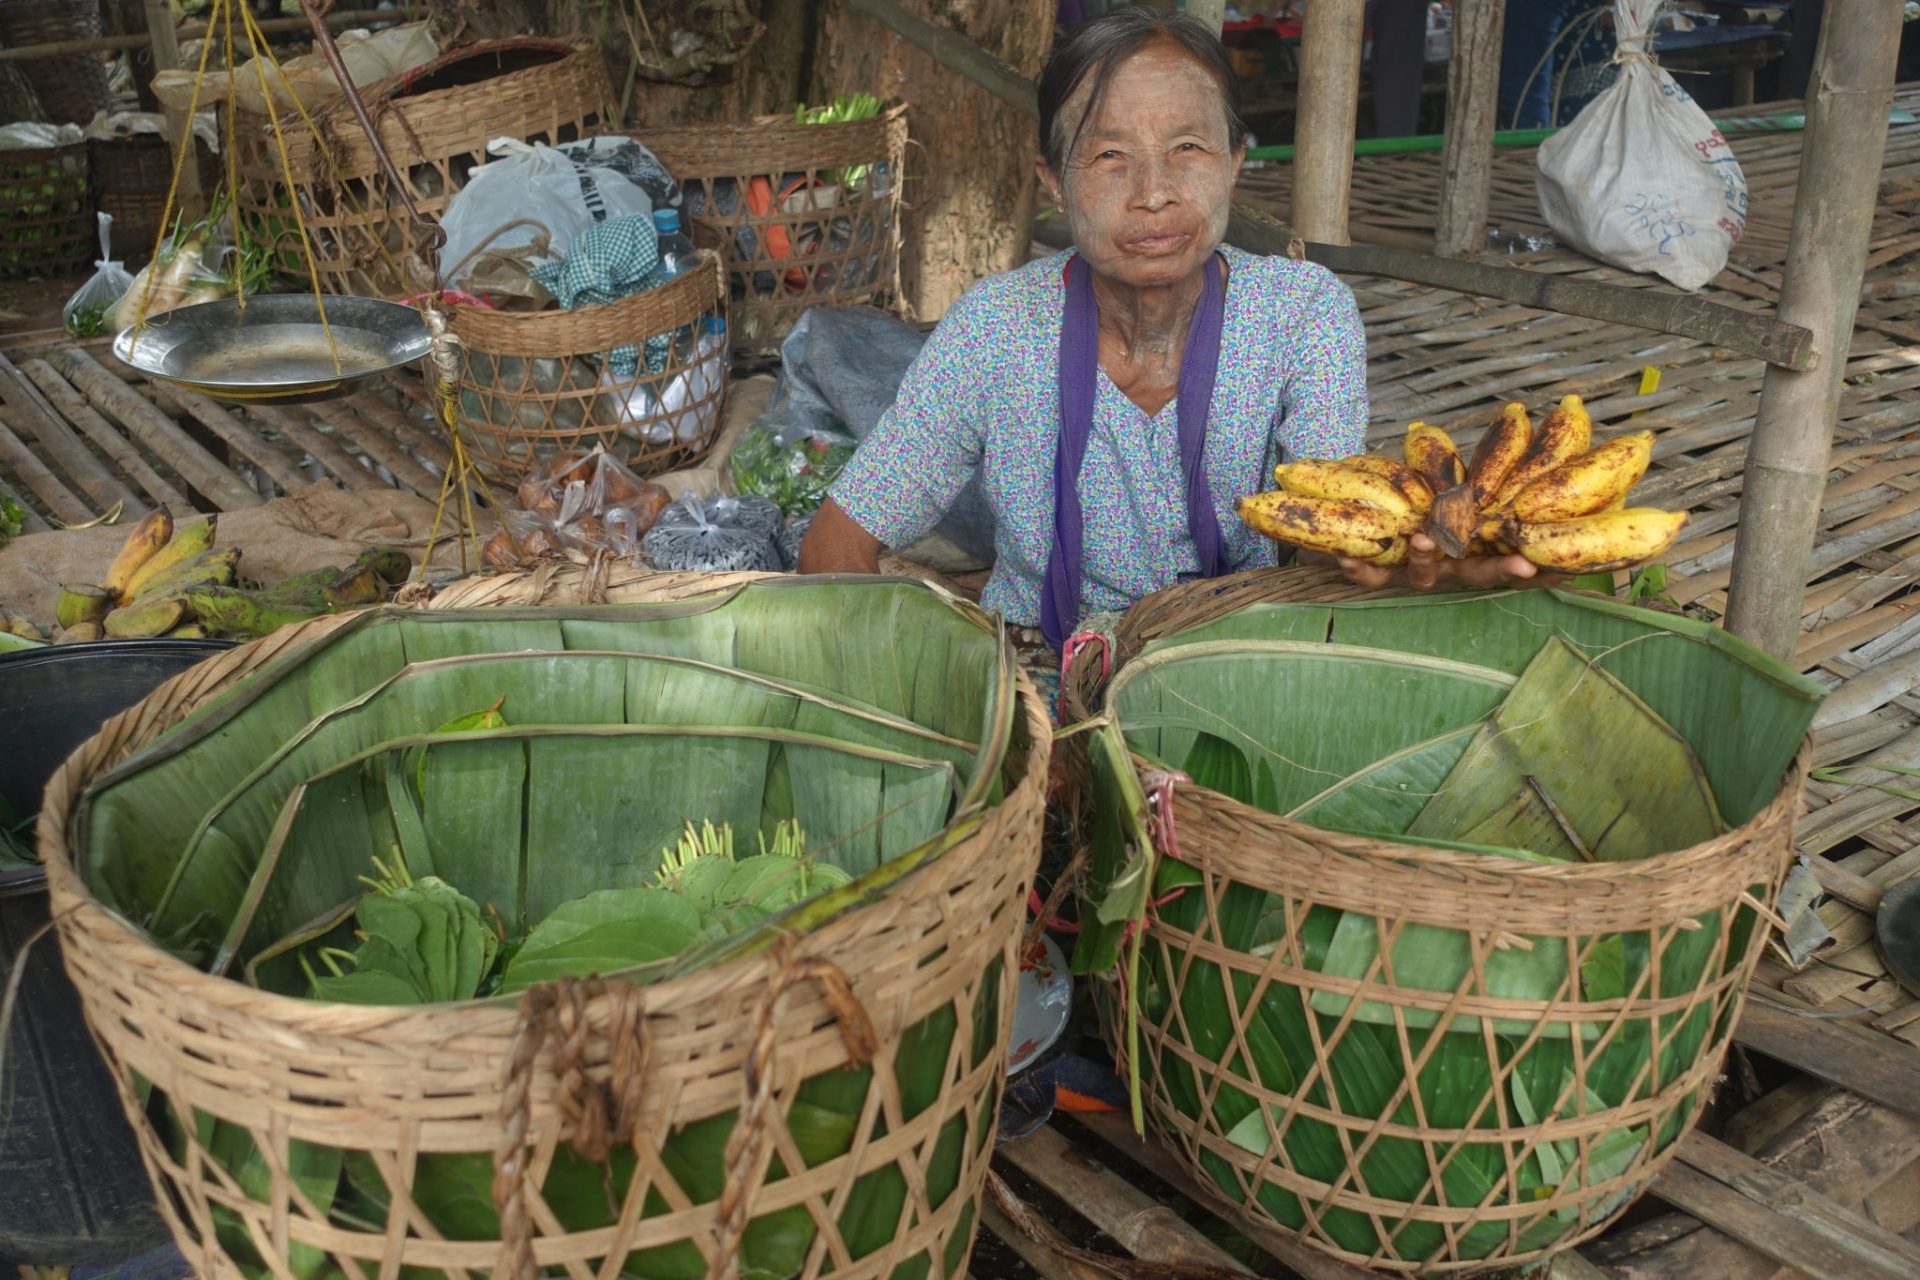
1092	52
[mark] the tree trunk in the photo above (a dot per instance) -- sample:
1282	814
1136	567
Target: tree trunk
970	192
771	80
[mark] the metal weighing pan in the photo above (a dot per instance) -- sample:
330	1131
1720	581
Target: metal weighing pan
274	348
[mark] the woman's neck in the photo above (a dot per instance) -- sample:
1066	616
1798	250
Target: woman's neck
1149	324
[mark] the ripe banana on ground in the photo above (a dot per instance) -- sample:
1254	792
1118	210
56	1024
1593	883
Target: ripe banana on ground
1547	494
143	544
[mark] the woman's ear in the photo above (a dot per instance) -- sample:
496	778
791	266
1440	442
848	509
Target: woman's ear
1049	182
1239	160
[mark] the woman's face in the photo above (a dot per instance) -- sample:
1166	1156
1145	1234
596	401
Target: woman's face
1147	184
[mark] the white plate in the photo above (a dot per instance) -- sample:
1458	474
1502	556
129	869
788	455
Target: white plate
1041	1008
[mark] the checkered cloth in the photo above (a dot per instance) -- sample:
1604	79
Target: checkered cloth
609	261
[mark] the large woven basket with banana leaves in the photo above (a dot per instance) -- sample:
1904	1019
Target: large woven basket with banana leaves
810	1092
1443	906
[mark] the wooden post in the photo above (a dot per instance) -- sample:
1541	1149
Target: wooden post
1211	12
1329	99
166	57
1473	100
1840	161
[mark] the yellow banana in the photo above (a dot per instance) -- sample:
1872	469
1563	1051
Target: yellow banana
1431	456
1395	554
1587	484
1566	434
144	543
1601	543
1313	479
1416	490
188	541
1502	445
1337	526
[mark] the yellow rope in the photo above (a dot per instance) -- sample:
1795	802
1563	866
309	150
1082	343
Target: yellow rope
256	41
461	471
181	154
340	182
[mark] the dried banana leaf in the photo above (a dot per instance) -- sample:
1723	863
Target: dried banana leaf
1574	756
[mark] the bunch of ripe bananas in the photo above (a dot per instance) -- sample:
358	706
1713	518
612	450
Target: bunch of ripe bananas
1550	495
169	581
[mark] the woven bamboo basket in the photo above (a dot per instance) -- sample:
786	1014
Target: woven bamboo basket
72	88
577	1064
1258	1070
46	211
131	177
805	215
435	122
533	384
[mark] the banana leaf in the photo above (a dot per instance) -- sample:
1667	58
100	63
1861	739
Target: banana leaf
1290	709
1616	783
1743	712
876	657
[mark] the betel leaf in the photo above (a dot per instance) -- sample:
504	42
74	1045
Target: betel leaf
604	932
421	943
472	721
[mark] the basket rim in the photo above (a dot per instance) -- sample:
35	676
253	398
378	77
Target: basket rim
494	1016
510	333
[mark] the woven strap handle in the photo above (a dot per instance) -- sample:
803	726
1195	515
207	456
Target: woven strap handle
597	1117
746	1158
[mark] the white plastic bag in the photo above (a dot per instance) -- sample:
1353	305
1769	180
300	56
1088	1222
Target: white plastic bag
369	57
1642	179
90	310
510	206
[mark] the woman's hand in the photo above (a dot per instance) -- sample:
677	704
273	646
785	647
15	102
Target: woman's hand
1428	570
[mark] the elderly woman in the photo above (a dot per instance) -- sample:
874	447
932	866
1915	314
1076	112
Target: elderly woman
1117	398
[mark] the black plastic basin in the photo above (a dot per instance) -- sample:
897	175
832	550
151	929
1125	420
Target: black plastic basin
72	1189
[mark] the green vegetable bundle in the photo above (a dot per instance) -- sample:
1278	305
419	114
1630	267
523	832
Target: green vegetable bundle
793	466
327	823
1446	943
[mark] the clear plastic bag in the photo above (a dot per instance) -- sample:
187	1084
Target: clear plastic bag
583	502
715	535
198	263
90	309
793	465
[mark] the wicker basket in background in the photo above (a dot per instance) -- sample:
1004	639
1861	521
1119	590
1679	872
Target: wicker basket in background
435	122
72	87
537	383
131	177
46	211
826	232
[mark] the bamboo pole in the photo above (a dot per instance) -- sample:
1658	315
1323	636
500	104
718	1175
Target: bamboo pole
1211	12
268	26
1329	102
1466	161
166	57
1833	211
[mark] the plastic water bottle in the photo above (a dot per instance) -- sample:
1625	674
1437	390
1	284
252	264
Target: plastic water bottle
676	251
